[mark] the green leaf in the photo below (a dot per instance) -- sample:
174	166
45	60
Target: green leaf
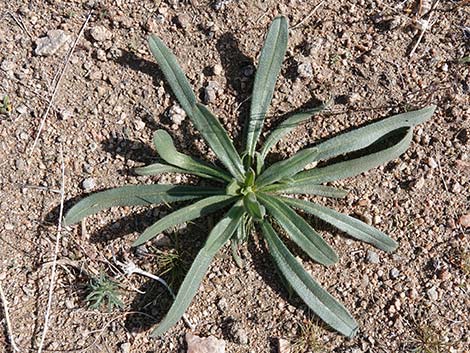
319	300
217	138
269	66
287	126
166	149
365	136
219	235
253	207
347	224
136	195
159	168
345	143
196	210
173	74
354	166
299	230
305	188
287	168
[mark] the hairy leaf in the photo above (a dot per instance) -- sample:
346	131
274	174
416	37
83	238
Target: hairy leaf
184	214
269	66
319	300
158	168
354	166
166	149
286	168
305	188
253	207
287	126
347	224
217	138
136	195
219	235
299	230
365	136
173	74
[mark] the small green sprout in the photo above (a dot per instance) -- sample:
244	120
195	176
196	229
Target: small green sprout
105	291
256	191
5	106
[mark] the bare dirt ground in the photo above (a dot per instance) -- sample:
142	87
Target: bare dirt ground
112	98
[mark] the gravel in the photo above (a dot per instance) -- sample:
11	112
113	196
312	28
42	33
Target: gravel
50	44
372	257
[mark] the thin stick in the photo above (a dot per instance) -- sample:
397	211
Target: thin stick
309	15
7	319
20	23
56	252
130	268
426	25
57	84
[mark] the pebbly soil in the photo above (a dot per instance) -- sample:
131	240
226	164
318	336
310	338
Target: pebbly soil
112	98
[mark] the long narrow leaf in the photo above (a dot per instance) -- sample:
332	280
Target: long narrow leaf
166	149
158	168
347	224
319	300
287	168
217	138
355	166
219	235
136	195
184	214
287	126
345	143
173	74
306	189
299	230
269	66
365	136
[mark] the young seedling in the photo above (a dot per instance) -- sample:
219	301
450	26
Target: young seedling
254	190
104	291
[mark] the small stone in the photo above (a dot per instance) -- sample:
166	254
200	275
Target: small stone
20	164
283	346
183	20
7	65
419	183
445	67
100	33
432	293
377	219
101	55
88	184
69	303
305	70
372	257
22	109
176	114
217	69
222	304
456	188
66	114
209	344
125	347
210	92
248	71
412	293
432	163
394	273
464	220
9	226
162	240
139	125
50	44
238	333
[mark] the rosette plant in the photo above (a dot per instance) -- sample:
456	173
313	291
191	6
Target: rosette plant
254	193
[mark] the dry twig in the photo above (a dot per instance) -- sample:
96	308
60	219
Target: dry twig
308	16
7	320
56	252
57	83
